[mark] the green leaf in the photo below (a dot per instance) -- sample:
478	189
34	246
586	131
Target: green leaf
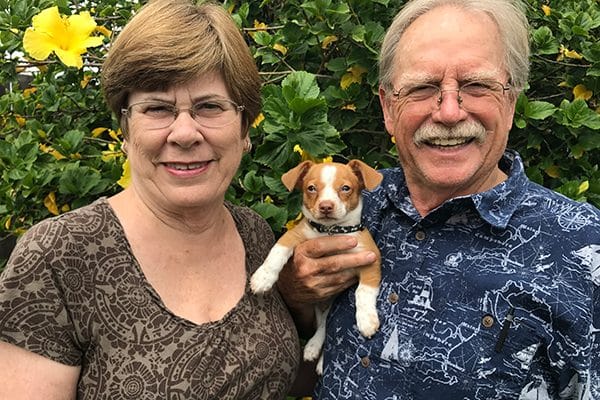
544	41
321	141
78	180
70	141
590	140
591	51
578	114
358	34
263	38
252	183
274	215
301	106
277	113
539	110
519	122
338	64
300	84
273	154
593	71
274	185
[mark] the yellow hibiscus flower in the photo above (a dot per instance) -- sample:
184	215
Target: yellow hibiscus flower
67	37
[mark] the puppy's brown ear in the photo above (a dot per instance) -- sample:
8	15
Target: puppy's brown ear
368	176
293	178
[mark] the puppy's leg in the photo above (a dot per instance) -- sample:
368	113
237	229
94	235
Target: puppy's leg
266	275
366	300
313	347
319	367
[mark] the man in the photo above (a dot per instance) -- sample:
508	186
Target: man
490	283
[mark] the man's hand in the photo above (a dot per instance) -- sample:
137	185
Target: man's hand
319	269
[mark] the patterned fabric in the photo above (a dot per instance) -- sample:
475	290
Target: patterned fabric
518	262
73	292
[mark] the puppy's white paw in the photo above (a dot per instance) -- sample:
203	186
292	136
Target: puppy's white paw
266	275
367	322
319	367
366	310
263	279
312	350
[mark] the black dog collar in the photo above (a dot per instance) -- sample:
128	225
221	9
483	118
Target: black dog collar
334	229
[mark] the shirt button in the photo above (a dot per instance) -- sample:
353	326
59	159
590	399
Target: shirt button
365	362
393	298
420	235
487	321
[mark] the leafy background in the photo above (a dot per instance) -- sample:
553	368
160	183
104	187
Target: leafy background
60	147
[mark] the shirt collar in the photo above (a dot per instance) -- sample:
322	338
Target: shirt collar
496	206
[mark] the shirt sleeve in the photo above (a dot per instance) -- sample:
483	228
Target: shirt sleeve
593	384
580	378
33	311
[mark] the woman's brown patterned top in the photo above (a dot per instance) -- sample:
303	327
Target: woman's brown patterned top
73	292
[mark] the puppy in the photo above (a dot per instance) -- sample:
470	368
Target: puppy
331	204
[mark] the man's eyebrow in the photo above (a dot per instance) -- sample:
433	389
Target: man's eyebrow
411	79
416	78
480	76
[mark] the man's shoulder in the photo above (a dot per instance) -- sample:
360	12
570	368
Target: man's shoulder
550	199
560	217
392	183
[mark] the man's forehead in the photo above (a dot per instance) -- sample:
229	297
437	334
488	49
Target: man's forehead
449	42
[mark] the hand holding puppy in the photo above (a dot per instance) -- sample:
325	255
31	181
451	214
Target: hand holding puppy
321	268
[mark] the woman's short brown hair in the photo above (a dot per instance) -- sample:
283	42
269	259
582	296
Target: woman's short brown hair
171	42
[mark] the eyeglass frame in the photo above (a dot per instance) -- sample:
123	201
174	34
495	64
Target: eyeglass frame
440	92
175	111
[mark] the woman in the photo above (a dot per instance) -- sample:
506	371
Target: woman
144	295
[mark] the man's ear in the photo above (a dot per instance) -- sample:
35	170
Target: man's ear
510	110
388	112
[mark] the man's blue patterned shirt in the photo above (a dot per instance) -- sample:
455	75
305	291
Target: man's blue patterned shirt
490	296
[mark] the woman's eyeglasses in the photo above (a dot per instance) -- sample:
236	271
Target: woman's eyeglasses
155	114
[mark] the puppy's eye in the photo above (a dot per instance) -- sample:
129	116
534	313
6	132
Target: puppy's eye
311	188
345	188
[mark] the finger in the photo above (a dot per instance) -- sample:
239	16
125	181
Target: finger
343	262
319	288
304	266
331	284
326	245
310	287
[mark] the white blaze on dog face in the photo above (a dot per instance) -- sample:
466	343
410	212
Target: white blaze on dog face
331	191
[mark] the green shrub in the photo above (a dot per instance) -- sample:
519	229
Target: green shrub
60	148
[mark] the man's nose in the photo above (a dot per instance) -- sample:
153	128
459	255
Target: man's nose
449	109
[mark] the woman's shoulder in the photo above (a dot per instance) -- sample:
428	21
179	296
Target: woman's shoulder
97	211
245	217
78	226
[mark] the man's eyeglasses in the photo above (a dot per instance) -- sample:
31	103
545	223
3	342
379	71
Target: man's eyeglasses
475	96
155	114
